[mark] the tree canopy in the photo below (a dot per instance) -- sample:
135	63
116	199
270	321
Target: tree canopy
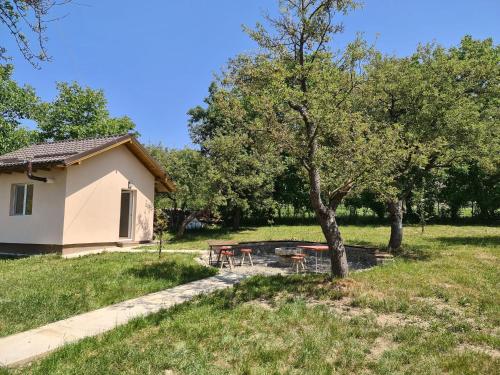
445	105
17	104
304	95
79	112
195	178
237	144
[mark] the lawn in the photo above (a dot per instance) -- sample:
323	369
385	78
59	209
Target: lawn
372	235
42	289
434	310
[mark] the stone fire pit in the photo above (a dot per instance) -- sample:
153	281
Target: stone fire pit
285	253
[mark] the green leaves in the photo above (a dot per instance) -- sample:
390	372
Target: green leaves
445	103
79	112
17	104
236	142
194	178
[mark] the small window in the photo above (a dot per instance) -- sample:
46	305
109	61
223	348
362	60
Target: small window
21	199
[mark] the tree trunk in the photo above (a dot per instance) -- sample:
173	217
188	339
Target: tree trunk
160	246
454	212
395	208
186	221
329	226
335	243
236	218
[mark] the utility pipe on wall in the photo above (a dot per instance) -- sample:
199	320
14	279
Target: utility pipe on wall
31	176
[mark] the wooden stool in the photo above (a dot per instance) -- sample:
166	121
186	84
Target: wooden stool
219	251
298	261
246	252
229	255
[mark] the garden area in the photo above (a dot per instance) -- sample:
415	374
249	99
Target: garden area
435	309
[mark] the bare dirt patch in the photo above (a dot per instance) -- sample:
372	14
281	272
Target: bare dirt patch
486	256
344	308
440	306
456	313
380	346
396	319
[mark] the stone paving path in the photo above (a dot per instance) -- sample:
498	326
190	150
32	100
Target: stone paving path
27	346
136	249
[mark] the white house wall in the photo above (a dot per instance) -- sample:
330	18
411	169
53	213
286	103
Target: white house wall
45	224
93	196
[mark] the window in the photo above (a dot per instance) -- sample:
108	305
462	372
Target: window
21	199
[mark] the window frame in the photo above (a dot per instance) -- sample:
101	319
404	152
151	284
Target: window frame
14	196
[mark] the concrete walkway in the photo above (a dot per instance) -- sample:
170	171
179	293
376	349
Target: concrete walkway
135	249
27	346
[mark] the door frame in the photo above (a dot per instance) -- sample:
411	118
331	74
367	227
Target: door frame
131	214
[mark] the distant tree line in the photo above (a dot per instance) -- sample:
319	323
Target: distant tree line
450	147
300	124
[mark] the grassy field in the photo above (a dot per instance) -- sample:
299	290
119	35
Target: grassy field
354	235
435	310
38	290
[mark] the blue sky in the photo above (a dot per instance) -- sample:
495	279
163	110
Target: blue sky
156	60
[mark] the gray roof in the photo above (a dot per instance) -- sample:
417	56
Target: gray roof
52	153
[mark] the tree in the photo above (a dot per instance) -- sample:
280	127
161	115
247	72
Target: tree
474	182
303	94
79	112
16	104
245	160
160	226
368	199
194	176
444	102
290	187
26	21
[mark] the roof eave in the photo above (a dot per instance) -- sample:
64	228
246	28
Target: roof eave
138	150
78	158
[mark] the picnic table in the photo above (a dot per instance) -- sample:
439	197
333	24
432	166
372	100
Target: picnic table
215	247
317	249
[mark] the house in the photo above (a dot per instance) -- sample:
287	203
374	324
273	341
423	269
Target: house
78	194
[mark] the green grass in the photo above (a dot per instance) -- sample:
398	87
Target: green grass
353	234
435	310
42	289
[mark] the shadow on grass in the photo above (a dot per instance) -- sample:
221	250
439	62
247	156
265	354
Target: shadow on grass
289	287
484	241
172	271
415	253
